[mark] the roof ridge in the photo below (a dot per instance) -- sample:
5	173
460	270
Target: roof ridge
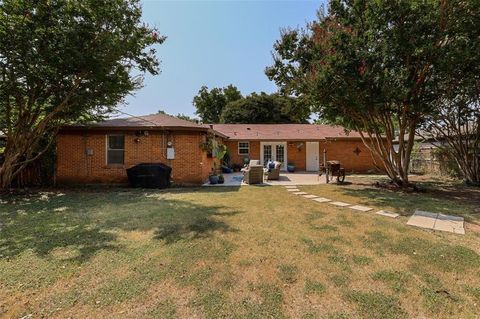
175	118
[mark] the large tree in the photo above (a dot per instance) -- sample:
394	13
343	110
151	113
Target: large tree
455	123
64	61
266	108
371	66
210	103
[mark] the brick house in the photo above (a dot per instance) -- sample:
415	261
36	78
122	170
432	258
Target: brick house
300	144
101	152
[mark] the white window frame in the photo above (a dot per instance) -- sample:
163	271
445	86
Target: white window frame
248	148
107	148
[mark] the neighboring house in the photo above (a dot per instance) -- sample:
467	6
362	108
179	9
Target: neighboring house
100	153
300	144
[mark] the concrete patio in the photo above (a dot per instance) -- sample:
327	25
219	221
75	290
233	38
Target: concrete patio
297	178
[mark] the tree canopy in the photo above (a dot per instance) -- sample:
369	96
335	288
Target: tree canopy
210	103
265	108
64	61
374	67
228	105
454	123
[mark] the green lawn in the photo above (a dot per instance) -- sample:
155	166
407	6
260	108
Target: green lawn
250	252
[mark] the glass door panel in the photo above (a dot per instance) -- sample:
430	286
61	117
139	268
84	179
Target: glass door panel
280	153
267	154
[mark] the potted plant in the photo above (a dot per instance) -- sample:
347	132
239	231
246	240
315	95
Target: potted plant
213	179
237	167
221	179
219	152
226	159
226	170
291	167
208	147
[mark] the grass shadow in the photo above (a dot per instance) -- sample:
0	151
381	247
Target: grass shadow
85	222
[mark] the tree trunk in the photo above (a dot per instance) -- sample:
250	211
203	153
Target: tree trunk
10	168
7	171
18	156
395	163
456	130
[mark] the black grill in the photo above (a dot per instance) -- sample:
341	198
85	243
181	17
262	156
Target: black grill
149	175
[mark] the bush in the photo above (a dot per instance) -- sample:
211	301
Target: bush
447	163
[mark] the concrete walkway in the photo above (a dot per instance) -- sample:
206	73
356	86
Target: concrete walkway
286	179
434	221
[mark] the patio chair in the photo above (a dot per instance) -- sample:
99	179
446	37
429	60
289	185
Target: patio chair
251	162
274	173
253	174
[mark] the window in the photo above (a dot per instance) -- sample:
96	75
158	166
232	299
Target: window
115	149
243	148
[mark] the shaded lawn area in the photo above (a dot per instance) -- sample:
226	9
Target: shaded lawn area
249	252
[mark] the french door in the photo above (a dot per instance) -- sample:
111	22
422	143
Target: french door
274	151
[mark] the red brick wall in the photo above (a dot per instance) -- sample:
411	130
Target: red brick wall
207	164
297	154
75	166
238	159
343	151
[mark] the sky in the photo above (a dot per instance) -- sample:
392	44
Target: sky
213	43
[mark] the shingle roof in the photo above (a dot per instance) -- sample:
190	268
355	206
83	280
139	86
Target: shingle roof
232	131
152	120
282	131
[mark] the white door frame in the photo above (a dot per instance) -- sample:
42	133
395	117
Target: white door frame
274	155
312	164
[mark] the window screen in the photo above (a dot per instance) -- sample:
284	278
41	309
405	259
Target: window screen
115	149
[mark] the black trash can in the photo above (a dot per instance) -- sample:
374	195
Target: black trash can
149	175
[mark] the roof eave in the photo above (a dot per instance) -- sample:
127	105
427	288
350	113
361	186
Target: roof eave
217	133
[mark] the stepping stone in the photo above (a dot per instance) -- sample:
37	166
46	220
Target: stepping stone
310	196
387	214
423	219
340	204
453	224
434	221
321	199
300	193
291	186
293	190
361	208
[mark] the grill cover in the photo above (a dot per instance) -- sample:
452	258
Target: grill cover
149	175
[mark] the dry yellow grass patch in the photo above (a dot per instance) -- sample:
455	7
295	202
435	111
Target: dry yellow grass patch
250	252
